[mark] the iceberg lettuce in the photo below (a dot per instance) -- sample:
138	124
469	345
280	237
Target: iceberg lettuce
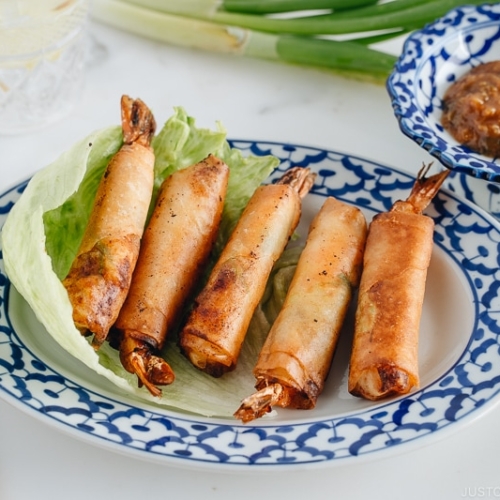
42	233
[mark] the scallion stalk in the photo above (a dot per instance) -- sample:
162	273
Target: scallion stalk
179	30
282	6
380	9
330	24
346	56
342	39
354	60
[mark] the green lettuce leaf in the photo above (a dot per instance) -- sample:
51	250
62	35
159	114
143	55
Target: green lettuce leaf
43	231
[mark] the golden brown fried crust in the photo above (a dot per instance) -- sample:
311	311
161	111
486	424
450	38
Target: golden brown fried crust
303	398
100	275
299	348
174	250
382	381
97	280
391	293
215	330
195	344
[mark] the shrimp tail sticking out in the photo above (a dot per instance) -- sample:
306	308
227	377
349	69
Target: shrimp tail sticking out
298	178
261	402
151	370
384	356
423	191
100	275
216	327
174	250
138	123
296	356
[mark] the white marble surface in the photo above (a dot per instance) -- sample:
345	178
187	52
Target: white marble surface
254	100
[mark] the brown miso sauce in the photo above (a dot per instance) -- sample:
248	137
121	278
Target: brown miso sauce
471	109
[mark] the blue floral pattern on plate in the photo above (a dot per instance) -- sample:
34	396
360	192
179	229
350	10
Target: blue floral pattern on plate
464	390
431	60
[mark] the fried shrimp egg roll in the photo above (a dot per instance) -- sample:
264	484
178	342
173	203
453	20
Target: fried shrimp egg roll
295	359
214	332
175	247
100	275
384	357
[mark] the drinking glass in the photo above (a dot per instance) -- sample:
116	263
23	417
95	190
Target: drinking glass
42	60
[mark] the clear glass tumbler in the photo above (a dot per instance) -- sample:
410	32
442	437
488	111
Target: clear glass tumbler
42	61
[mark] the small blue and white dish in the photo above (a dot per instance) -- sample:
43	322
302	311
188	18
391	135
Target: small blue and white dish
431	60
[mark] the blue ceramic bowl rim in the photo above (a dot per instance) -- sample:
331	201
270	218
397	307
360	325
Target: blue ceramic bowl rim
404	83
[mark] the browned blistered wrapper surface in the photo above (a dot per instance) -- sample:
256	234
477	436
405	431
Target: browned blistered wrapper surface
174	249
299	348
123	197
216	328
384	357
100	277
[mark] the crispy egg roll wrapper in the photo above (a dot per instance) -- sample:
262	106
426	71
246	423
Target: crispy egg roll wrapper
300	345
100	276
215	330
384	358
175	247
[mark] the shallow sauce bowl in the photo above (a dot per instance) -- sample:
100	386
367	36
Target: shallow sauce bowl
431	60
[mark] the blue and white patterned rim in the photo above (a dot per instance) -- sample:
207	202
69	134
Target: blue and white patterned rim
431	60
480	192
465	390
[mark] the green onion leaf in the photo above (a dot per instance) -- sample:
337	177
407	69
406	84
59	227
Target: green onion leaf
282	6
341	40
